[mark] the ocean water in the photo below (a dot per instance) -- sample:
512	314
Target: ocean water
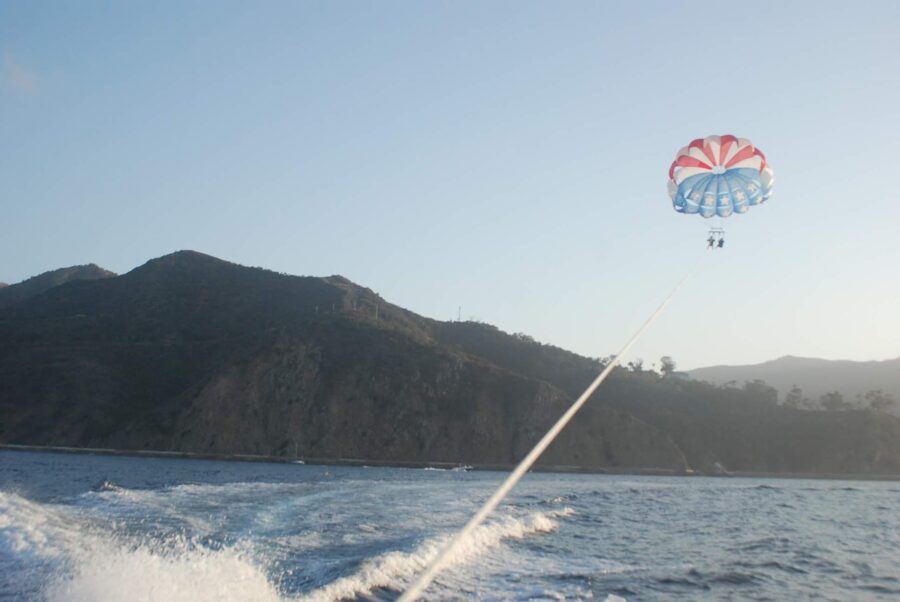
101	528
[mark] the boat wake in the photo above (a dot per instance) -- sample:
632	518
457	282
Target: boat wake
69	556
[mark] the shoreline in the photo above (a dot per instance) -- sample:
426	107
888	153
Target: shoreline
359	462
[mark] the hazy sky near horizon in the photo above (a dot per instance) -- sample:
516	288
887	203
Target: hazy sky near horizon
507	157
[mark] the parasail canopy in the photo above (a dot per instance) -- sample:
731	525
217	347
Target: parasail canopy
719	176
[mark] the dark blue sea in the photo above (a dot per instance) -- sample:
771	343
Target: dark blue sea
102	528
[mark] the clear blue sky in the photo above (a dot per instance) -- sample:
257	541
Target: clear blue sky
508	157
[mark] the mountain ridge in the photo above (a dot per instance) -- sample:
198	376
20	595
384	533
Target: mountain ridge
815	377
799	359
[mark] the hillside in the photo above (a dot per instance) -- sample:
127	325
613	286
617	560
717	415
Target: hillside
191	353
16	293
815	377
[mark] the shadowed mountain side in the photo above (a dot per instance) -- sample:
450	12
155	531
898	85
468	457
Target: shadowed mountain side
16	293
192	353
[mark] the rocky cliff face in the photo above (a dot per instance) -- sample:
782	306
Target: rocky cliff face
310	399
191	353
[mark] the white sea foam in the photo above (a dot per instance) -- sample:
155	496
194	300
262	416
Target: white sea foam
98	567
396	569
32	528
149	574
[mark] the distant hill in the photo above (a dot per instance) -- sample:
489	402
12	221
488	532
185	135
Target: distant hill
191	353
16	293
814	376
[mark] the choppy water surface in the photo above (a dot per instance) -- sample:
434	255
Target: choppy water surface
97	528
